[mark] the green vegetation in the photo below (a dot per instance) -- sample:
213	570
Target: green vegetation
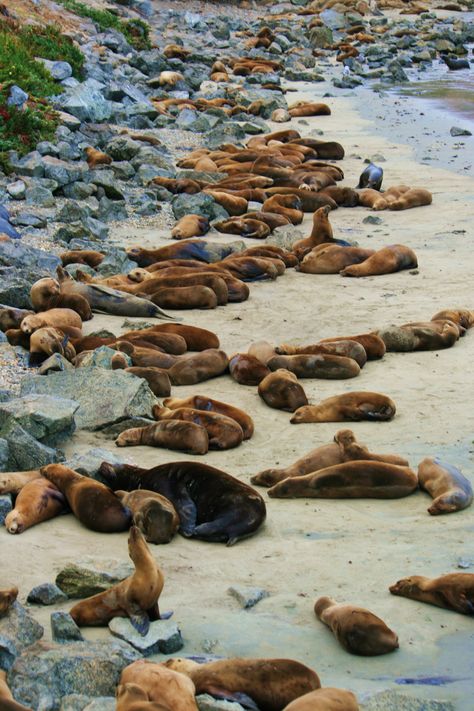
18	66
22	130
136	31
48	42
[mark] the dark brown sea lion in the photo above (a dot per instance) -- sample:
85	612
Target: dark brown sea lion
136	597
422	336
151	287
282	391
223	431
316	365
388	260
171	343
371	342
310	201
13	482
145	357
190	226
287	205
269	250
358	630
270	683
353	406
327	699
250	268
253	229
39	500
82	256
201	402
302	108
348	349
211	505
247	369
343	196
360	479
91	502
10	317
185	297
158	379
7	598
448	487
332	258
46	341
153	514
454	591
195	368
171	434
170	690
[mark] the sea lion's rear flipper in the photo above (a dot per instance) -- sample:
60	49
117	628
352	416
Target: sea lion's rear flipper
236	696
140	621
187	513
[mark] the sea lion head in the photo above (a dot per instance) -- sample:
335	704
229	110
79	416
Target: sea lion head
344	437
139	275
31	324
179	664
301	415
14	523
322	604
406	586
44	292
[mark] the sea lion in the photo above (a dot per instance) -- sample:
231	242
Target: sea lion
321	233
343	196
39	500
82	256
150	288
144	357
158	379
211	505
356	629
371	177
282	391
202	402
448	487
171	343
348	349
245	227
190	226
247	369
345	448
387	260
422	336
187	249
223	431
262	350
415	197
373	199
171	434
186	297
169	78
136	597
197	339
310	200
10	317
171	690
46	341
7	702
13	482
46	294
371	342
454	591
353	406
270	683
269	250
190	187
67	320
316	365
287	205
197	367
360	479
7	598
251	268
462	317
332	258
91	502
152	513
327	699
303	108
95	157
273	221
131	697
233	204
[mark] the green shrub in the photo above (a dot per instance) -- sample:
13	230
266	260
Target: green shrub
48	42
21	130
18	66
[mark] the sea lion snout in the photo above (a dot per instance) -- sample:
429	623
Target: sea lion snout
13	524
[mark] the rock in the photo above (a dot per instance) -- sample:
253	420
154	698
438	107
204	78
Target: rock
456	131
209	703
24	451
26	258
70	211
101	358
225	133
392	700
163	636
106	179
17	190
113	431
5	503
372	220
284	237
112	209
96	229
30	165
89	463
86	102
123	148
79	702
90	576
17	97
27	219
39	196
45	672
123	170
17	631
103	703
78	190
42	416
320	37
73	231
58	70
63	172
69	121
199	204
63	627
14	290
46	594
247	596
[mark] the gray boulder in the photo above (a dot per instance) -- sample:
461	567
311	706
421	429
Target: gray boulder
17	631
42	416
320	37
24	451
86	102
247	597
36	195
63	627
46	594
13	253
58	70
123	148
100	358
199	204
30	165
106	179
209	703
91	576
17	97
62	171
17	190
89	463
53	364
163	636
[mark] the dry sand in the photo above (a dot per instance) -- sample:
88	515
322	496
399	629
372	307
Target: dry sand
351	550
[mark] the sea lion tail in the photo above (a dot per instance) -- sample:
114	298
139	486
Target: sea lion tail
159	313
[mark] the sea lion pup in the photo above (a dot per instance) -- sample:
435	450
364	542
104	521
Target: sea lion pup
152	513
247	369
173	690
302	108
316	365
371	177
67	320
387	260
202	402
415	197
371	342
46	294
197	339
332	258
38	501
282	391
356	629
360	479
223	431
321	233
462	317
428	336
454	591
11	318
186	437
211	504
13	482
270	683
196	367
287	205
46	341
93	503
7	598
136	597
448	487
253	229
82	256
353	406
95	157
190	226
327	699
349	349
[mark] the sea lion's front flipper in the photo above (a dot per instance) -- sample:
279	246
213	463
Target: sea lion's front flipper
140	622
187	513
236	696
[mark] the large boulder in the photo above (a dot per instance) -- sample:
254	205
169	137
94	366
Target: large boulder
90	576
86	102
89	463
198	204
42	416
17	631
24	451
16	254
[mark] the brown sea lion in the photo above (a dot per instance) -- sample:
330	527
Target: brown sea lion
67	320
7	702
202	402
368	197
170	434
343	196
353	406
302	108
46	294
93	503
191	187
158	379
371	342
358	630
223	431
287	205
332	258
422	336
349	349
13	482
95	157
262	350
186	297
190	226
387	260
360	479
82	256
39	500
310	200
327	699
316	365
169	78
270	683
171	343
448	487
233	204
282	391
270	250
321	233
131	697
197	339
462	317
7	598
11	318
171	690
245	227
454	591
152	513
252	268
247	369
145	357
136	597
195	368
415	197
46	341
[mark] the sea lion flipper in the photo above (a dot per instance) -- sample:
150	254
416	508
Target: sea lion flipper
186	509
140	621
236	696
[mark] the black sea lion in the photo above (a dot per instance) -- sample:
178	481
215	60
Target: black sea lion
153	514
358	630
171	690
361	479
448	487
387	260
211	504
316	365
353	406
91	502
282	391
170	434
202	402
270	683
39	500
327	699
454	591
136	597
371	177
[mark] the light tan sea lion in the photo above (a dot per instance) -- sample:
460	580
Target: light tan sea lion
327	699
415	197
170	434
348	349
448	487
46	341
302	108
387	260
95	158
462	317
153	514
454	591
202	402
131	697
13	482
172	690
39	500
355	406
358	630
11	318
190	226
422	336
316	365
136	597
282	391
332	258
67	320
